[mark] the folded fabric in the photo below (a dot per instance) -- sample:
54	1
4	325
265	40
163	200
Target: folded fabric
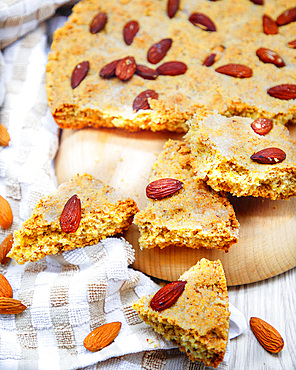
69	295
19	17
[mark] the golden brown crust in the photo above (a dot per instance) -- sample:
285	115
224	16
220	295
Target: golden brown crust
199	320
194	217
108	102
104	212
222	148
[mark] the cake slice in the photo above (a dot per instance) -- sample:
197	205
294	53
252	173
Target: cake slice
195	216
243	156
198	321
104	212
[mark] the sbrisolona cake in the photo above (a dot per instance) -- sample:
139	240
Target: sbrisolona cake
197	318
145	65
243	156
81	212
181	210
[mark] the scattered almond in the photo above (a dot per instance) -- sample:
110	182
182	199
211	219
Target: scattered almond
130	30
108	70
258	2
102	336
286	17
6	216
269	338
269	25
146	72
159	50
214	56
162	188
262	126
283	92
5	287
235	70
270	56
172	7
4	136
142	100
125	68
5	247
167	295
202	21
173	68
79	73
11	306
71	215
98	22
269	156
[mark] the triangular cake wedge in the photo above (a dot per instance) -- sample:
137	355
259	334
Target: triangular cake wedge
198	322
195	216
104	212
242	156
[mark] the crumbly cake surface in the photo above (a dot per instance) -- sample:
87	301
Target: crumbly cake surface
108	102
222	148
195	216
198	322
104	212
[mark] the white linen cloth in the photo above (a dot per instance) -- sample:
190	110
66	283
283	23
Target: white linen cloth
66	295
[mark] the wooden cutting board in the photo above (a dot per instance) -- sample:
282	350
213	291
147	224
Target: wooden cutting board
267	242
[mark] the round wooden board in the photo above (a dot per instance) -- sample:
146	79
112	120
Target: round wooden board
267	241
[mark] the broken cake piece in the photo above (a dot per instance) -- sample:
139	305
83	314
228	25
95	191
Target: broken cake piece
243	156
193	215
192	312
81	212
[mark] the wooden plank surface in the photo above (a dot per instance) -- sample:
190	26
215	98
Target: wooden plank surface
267	242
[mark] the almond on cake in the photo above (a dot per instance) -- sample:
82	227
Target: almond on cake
242	156
198	320
81	212
193	216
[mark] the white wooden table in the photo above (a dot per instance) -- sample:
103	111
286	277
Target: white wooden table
274	301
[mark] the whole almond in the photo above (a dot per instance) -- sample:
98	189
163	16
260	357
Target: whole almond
262	126
286	17
102	336
173	68
125	68
172	7
6	216
269	25
5	247
292	44
5	287
167	295
270	56
283	92
162	188
203	21
4	136
71	215
258	2
130	30
146	72
159	50
108	70
142	100
11	306
269	338
214	56
235	70
98	22
269	156
79	73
